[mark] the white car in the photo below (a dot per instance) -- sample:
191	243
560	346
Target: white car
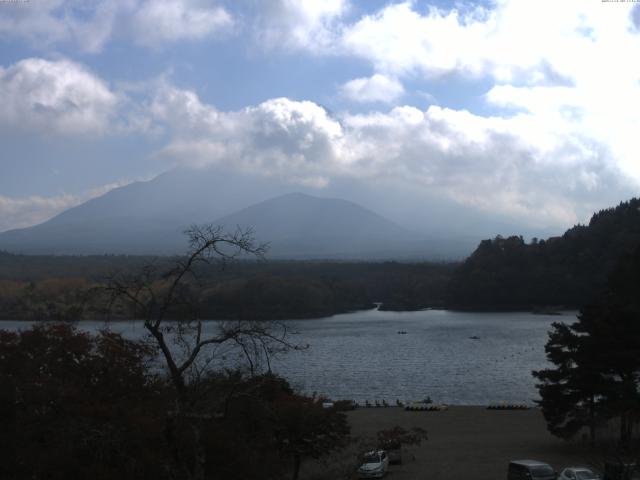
374	464
577	473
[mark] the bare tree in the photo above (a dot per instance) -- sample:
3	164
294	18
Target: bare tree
166	304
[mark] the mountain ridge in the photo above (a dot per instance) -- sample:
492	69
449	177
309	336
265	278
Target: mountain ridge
149	217
298	226
301	225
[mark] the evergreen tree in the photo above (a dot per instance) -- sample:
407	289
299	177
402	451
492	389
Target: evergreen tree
597	360
570	392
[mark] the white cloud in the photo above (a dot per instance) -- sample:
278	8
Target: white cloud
295	24
55	97
280	137
377	88
505	41
565	101
487	162
555	68
516	166
89	26
557	63
27	211
400	40
172	20
35	22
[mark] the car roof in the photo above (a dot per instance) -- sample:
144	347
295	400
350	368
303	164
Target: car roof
373	452
529	463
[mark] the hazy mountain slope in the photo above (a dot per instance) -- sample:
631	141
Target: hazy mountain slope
141	218
149	218
130	220
302	225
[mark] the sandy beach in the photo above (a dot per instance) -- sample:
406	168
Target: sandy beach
471	442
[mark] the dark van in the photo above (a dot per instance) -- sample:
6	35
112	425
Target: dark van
530	470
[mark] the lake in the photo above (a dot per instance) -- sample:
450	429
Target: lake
361	355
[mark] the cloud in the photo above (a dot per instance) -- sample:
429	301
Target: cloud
55	97
566	78
516	166
90	26
377	88
561	138
279	137
299	24
173	20
569	80
487	162
504	42
400	40
27	211
36	23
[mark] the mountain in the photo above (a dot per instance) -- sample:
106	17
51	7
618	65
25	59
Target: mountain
138	219
149	218
571	270
303	226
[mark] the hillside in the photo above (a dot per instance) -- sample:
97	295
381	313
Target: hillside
149	218
302	226
138	219
297	226
569	271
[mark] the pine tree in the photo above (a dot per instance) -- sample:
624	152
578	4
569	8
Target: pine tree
596	361
570	392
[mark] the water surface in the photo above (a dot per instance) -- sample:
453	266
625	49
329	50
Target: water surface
361	355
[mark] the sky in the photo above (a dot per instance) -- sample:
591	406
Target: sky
527	108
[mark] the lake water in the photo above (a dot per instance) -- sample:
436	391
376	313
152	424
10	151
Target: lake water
361	355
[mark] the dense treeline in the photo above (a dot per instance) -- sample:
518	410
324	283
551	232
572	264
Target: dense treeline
91	267
502	273
68	288
568	271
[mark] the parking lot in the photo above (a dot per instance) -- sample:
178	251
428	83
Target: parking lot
472	442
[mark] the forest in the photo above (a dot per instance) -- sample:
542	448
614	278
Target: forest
504	273
560	272
69	288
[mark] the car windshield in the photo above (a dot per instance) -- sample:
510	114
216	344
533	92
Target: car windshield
371	459
585	475
542	471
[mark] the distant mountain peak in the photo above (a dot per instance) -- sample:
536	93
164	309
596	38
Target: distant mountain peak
150	218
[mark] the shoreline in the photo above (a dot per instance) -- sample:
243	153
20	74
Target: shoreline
562	313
